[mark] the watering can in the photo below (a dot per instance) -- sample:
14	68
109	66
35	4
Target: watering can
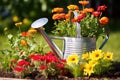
70	44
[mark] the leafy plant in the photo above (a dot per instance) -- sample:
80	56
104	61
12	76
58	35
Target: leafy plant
91	21
21	44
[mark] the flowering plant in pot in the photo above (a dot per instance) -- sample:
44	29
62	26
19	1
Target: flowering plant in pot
81	26
91	21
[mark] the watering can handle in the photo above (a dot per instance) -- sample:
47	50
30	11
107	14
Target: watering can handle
59	38
105	41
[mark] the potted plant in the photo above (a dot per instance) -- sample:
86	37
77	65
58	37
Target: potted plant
83	26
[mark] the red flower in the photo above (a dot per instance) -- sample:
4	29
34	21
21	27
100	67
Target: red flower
101	8
96	13
25	34
37	57
23	63
63	60
19	69
43	67
60	65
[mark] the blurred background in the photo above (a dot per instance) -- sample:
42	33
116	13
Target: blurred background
27	11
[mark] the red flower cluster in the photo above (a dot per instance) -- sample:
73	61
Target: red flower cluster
19	69
41	62
48	58
21	65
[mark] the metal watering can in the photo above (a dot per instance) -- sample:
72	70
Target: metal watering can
71	45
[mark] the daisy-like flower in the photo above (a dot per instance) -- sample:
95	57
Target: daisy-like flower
73	7
18	24
85	56
88	69
93	62
72	58
108	56
104	20
57	10
96	55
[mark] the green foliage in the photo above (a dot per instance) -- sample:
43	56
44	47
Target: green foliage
64	28
21	45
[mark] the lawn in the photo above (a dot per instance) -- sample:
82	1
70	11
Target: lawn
112	45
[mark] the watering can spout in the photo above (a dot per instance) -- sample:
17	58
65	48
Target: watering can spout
39	25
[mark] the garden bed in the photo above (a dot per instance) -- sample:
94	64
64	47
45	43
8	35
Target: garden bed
113	74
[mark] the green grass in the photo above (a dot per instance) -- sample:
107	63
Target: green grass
112	45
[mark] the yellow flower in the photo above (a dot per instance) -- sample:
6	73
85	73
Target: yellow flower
108	56
93	62
72	58
95	55
88	70
15	18
73	7
18	24
85	56
25	21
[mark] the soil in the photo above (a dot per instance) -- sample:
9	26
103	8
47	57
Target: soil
113	74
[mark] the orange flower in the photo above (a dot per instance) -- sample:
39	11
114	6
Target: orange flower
104	20
32	31
73	7
25	34
18	24
59	10
88	9
23	43
84	2
58	16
